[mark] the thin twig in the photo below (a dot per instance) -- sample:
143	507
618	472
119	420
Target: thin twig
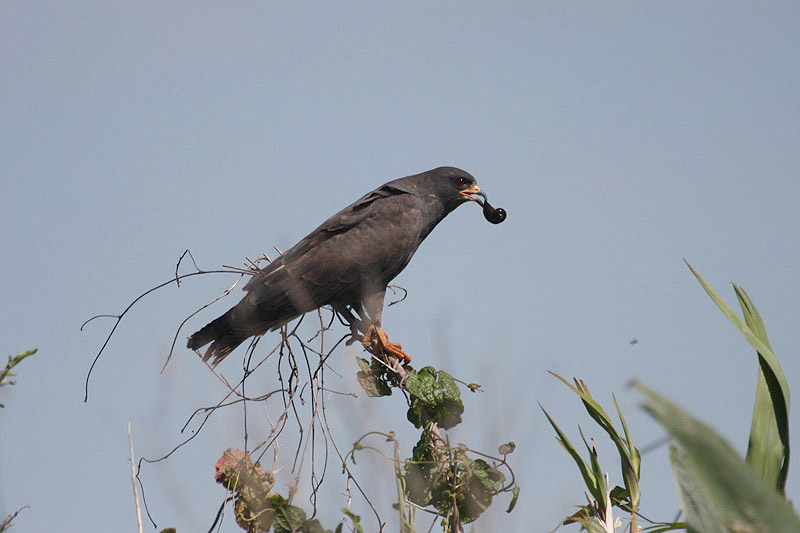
118	318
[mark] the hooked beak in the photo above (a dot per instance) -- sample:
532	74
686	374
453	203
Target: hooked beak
468	192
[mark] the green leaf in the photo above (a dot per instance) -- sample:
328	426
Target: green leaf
768	450
667	526
447	479
435	397
586	471
599	490
355	518
6	372
479	483
371	379
514	498
631	460
719	491
629	455
423	472
288	519
491	478
313	526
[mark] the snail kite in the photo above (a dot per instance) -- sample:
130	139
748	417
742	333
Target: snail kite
347	262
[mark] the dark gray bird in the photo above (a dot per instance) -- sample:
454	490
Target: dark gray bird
347	262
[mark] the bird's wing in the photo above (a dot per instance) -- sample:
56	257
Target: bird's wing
355	252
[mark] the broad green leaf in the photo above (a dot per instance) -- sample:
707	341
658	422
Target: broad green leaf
768	448
491	478
696	502
719	491
288	519
422	472
434	397
763	349
479	482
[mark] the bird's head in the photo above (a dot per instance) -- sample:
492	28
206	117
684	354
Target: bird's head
458	186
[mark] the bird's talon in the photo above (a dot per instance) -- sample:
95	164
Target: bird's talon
375	336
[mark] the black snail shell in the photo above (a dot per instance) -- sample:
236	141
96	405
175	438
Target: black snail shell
495	216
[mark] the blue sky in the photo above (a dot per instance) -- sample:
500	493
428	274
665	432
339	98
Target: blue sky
619	137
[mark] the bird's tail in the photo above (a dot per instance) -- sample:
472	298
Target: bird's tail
224	333
266	309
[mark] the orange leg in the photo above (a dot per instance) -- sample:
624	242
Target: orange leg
389	347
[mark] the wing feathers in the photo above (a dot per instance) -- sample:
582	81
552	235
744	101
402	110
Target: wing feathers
353	254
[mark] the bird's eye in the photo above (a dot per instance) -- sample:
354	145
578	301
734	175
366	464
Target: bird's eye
461	182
